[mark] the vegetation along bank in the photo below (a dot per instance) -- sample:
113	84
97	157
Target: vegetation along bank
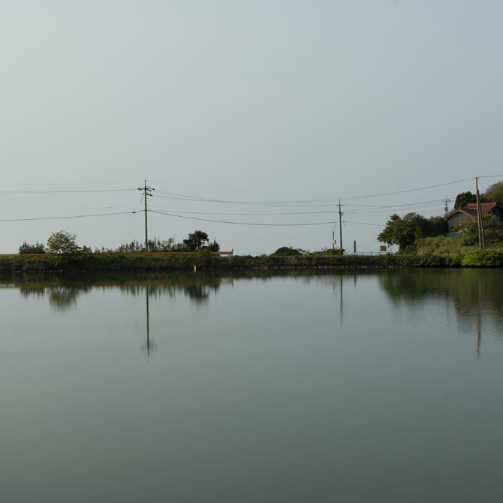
205	260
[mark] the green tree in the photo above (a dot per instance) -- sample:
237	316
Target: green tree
62	242
287	251
493	231
27	248
495	193
463	198
214	246
405	231
195	240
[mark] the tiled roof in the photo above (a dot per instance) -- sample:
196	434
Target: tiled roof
471	208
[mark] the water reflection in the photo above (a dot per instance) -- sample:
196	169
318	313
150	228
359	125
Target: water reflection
149	344
63	292
475	295
472	296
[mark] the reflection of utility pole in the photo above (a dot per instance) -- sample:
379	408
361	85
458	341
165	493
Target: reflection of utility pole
479	333
341	303
147	192
148	345
479	323
340	226
479	215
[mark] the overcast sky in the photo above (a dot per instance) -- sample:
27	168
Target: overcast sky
244	101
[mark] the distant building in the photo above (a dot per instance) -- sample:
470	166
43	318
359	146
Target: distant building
466	215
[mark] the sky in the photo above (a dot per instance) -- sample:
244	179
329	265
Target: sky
256	103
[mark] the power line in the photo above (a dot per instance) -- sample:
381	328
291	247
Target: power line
241	223
296	213
362	223
61	191
68	217
193	198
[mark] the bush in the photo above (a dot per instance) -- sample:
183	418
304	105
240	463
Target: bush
27	248
287	251
64	243
484	258
330	251
493	231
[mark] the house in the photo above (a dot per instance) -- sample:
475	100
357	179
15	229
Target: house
467	214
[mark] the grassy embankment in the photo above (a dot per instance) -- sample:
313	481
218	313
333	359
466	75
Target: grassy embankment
453	249
181	261
431	253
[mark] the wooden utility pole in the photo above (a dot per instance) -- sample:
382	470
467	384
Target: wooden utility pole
147	192
340	226
479	215
446	207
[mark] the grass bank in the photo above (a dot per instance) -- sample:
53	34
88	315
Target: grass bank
430	252
453	248
138	262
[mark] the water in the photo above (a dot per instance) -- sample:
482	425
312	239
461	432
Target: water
370	387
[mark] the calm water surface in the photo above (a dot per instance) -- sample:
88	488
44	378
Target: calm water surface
374	387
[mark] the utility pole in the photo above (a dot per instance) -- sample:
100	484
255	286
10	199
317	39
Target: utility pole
147	192
340	226
479	215
446	207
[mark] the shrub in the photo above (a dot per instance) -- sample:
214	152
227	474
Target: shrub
26	248
330	251
287	251
484	258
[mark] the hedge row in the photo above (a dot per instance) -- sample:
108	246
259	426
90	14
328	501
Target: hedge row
484	258
208	261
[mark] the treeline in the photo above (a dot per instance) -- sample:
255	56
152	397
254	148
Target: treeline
406	231
493	194
64	243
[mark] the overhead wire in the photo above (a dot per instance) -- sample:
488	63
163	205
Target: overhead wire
62	191
231	222
69	217
193	198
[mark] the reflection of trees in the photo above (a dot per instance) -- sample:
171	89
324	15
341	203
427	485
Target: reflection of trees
64	291
61	297
472	292
64	298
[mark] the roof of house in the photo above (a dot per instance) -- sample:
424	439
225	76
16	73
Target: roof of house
470	209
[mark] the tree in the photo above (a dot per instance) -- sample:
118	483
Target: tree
26	248
495	193
493	231
214	246
463	198
406	231
287	251
195	240
62	242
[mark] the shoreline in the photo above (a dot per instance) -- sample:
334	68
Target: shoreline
158	261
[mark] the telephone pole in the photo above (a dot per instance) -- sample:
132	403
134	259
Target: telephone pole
147	192
446	207
340	226
479	215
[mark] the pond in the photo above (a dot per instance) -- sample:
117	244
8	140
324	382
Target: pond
295	388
